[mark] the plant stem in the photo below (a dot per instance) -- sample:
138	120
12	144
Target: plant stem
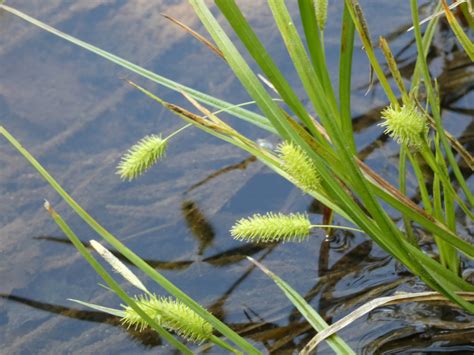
336	227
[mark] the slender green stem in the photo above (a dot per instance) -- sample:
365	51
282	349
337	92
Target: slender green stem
130	255
360	24
447	254
427	38
171	135
221	343
403	189
315	42
434	104
239	105
336	227
256	119
425	196
440	169
111	282
345	76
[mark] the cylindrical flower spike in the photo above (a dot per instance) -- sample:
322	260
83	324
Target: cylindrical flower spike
406	125
170	314
321	9
272	227
299	166
142	156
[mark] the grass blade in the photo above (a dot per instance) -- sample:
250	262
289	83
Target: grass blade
345	73
458	31
130	255
316	321
359	21
315	41
239	112
242	28
111	282
111	311
370	306
434	104
242	70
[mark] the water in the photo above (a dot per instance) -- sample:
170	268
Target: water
74	112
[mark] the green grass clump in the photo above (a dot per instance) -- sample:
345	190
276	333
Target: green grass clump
317	153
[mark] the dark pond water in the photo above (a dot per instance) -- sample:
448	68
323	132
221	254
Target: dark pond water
76	114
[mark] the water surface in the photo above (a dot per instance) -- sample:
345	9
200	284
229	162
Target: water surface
77	115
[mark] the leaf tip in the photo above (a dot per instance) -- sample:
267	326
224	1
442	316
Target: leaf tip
47	206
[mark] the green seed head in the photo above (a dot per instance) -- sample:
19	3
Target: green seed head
321	9
170	314
299	166
141	157
406	125
272	227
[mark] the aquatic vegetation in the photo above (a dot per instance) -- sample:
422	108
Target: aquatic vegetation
277	227
272	227
317	155
299	166
321	9
170	314
406	125
142	156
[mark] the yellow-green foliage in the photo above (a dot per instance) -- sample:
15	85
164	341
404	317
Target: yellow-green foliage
170	314
272	227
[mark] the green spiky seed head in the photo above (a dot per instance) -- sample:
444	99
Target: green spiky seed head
142	156
406	125
272	227
299	166
321	9
170	314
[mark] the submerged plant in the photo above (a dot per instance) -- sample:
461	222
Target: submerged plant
170	314
405	124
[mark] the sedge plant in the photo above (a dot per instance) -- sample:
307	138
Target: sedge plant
318	154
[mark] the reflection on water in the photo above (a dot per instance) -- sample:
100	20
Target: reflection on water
199	226
76	115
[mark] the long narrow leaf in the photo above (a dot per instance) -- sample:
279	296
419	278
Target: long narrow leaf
240	25
315	42
345	74
457	29
434	104
111	311
370	306
112	283
239	112
130	255
316	321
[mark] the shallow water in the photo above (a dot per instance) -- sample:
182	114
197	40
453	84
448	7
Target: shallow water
75	113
